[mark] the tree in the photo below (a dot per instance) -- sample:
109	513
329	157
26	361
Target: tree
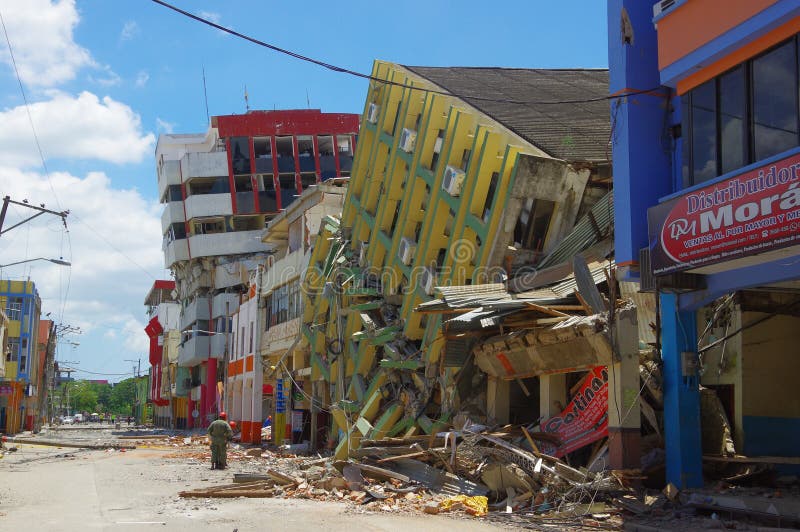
122	397
81	396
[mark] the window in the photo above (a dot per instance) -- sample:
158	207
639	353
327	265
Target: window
240	155
743	116
533	224
267	200
14	308
12	350
23	364
285	149
305	151
251	337
174	193
288	189
207	185
209	227
487	206
283	304
775	101
437	149
262	150
327	161
345	148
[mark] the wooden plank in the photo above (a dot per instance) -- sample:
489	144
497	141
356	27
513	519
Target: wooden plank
545	309
530	440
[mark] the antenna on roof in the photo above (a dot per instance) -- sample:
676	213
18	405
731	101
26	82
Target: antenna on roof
246	99
205	94
308	100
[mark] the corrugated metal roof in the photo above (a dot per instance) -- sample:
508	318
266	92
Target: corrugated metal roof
585	233
523	100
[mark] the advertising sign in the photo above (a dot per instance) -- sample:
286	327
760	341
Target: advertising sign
751	213
280	399
585	419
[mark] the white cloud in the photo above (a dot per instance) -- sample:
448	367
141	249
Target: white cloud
41	37
165	127
129	30
108	79
82	127
211	16
142	78
114	246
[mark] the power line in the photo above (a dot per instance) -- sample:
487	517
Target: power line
115	248
369	77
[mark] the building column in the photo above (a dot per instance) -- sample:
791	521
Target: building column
497	400
258	399
624	416
681	395
552	394
210	393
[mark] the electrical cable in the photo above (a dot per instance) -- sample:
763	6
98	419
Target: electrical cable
115	248
369	77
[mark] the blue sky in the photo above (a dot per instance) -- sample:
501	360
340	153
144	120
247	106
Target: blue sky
104	78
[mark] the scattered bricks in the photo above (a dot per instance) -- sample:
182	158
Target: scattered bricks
256	453
314	473
357	496
431	507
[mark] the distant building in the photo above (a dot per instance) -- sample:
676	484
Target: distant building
18	389
163	331
219	189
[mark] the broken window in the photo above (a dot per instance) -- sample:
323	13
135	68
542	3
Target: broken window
284	147
240	155
262	150
533	223
246	223
243	183
394	218
305	151
327	162
208	227
174	193
437	149
176	231
207	185
345	148
448	226
487	206
465	159
267	199
306	180
288	189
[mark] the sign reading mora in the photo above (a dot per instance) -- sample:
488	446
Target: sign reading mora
751	213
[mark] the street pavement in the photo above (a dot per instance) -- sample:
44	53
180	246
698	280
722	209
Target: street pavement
66	489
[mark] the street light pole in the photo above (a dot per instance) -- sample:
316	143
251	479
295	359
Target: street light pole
60	262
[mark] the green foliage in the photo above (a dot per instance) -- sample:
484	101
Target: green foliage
122	397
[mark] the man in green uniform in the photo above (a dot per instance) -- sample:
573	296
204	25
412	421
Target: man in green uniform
220	433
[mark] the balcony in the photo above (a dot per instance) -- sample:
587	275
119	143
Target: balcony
175	251
173	213
218	346
227	243
193	351
219	302
169	175
197	310
211	164
201	205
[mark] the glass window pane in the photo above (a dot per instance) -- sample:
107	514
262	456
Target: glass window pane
327	163
704	132
285	148
775	101
288	189
240	155
305	150
732	120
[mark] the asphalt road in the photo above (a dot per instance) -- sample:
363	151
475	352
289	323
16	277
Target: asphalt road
62	489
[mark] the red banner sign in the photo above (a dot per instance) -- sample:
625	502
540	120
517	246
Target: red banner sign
585	419
751	213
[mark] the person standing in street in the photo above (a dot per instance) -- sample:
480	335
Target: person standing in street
220	433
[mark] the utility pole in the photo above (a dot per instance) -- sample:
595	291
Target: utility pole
24	203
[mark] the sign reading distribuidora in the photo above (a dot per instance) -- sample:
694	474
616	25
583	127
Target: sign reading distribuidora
750	213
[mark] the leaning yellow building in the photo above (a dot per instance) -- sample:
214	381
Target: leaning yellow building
461	176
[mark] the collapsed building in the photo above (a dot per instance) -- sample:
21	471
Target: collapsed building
464	187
